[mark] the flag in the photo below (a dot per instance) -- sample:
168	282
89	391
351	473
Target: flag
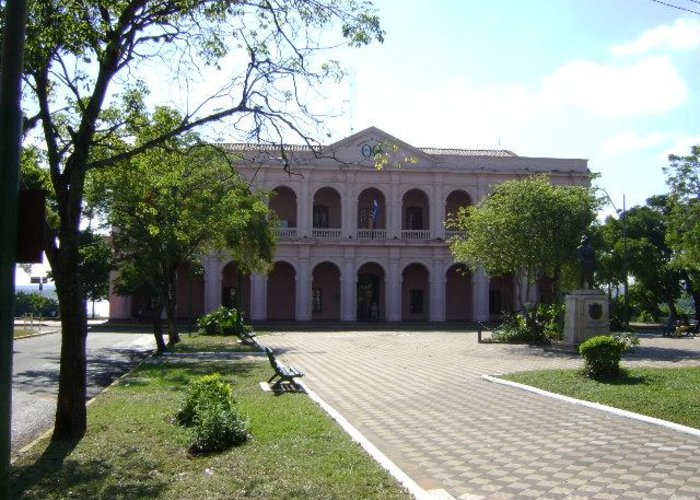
375	213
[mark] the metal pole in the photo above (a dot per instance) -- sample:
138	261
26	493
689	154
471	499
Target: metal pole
10	144
625	262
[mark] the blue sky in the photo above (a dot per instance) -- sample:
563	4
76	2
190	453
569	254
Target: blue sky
612	81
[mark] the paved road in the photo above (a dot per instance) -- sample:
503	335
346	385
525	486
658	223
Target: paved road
419	397
35	375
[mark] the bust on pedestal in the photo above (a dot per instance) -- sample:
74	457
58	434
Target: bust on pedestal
586	308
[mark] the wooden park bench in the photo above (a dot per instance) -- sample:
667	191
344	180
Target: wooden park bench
284	372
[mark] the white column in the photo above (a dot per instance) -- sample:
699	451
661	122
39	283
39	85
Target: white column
349	212
258	297
348	290
212	283
437	290
305	210
437	206
480	296
303	290
394	209
393	288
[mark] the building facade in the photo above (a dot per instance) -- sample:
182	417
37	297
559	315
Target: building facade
359	243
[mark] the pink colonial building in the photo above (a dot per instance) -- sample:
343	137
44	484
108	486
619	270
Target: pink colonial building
361	244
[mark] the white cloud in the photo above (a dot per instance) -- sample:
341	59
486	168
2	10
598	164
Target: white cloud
649	86
629	140
682	145
683	34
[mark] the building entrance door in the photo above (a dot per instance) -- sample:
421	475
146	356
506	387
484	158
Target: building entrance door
367	297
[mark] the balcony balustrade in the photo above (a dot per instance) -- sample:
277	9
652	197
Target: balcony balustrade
286	233
326	233
415	234
371	234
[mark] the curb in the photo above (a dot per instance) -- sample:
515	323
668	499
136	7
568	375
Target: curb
41	334
597	406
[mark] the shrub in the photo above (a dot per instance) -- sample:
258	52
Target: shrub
223	321
602	354
211	411
218	429
515	329
551	319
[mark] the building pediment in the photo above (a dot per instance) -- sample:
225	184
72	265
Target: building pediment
371	145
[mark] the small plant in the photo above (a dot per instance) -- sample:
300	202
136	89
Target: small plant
211	412
551	319
515	329
602	354
223	321
218	429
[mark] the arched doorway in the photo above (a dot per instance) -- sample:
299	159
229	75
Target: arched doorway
325	292
371	214
455	201
415	293
327	214
371	301
281	292
235	289
458	294
284	203
415	215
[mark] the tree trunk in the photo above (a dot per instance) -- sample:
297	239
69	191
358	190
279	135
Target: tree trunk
93	308
158	330
71	415
171	311
672	311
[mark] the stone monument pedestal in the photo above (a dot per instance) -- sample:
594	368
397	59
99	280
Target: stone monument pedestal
586	316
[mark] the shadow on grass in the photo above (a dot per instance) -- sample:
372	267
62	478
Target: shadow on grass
54	470
624	380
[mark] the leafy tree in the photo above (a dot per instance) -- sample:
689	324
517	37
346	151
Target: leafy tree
169	207
528	228
35	303
95	266
683	179
637	240
82	56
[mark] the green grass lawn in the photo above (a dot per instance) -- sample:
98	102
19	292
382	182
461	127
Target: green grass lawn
211	343
134	450
667	393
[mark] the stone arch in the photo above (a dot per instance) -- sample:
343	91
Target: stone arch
501	296
327	212
235	288
415	292
325	292
281	292
371	292
371	215
458	294
415	210
284	203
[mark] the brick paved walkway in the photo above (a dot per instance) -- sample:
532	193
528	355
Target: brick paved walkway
419	397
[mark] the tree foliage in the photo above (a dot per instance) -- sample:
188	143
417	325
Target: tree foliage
84	72
172	205
528	228
637	242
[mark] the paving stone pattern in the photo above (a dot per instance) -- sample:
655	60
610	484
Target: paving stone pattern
419	397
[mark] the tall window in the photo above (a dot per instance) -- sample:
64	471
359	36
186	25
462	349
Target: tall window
414	218
320	216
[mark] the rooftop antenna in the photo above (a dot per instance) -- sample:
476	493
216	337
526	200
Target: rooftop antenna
352	99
